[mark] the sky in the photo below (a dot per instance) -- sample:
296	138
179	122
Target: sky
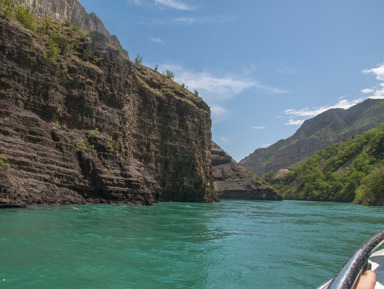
262	66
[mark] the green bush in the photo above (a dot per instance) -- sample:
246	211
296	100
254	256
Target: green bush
53	51
139	60
169	74
215	187
95	133
81	147
111	148
46	25
61	42
88	55
6	7
3	162
25	16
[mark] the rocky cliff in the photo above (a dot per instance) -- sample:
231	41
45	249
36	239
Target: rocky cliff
315	134
233	181
70	11
84	124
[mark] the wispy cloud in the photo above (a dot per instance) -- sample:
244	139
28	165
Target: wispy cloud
203	19
378	71
211	87
373	92
258	127
312	112
219	113
178	5
185	20
295	122
287	70
157	40
225	140
378	90
136	2
367	90
217	88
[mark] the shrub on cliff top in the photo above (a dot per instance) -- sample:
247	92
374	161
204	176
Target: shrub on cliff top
169	74
139	60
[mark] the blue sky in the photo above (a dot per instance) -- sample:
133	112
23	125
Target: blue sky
263	66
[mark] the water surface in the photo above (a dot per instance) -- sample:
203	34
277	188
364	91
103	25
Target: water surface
231	244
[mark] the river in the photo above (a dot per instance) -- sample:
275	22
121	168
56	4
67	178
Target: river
230	244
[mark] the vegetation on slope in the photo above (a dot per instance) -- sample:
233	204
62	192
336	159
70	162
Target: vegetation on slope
62	41
349	171
315	134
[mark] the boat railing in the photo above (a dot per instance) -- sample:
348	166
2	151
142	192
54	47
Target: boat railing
356	265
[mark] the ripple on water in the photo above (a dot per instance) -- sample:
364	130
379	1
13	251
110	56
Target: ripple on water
231	244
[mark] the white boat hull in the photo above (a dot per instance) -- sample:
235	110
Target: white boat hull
377	262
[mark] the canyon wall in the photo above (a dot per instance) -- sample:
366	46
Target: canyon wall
233	181
90	126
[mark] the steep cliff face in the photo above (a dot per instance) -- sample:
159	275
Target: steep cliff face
71	11
315	134
91	126
233	181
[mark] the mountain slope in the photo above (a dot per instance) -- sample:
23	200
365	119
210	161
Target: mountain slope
315	134
352	170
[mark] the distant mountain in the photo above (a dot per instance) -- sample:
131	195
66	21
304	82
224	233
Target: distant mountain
348	171
233	181
317	133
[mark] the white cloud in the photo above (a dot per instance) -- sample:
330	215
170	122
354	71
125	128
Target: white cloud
295	122
378	71
373	92
214	88
376	91
137	2
174	4
218	113
224	140
257	127
217	88
367	90
311	112
206	19
287	70
157	40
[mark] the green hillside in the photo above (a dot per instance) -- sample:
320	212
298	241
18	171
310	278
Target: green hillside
349	171
325	129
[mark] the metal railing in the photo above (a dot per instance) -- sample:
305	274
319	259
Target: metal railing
357	264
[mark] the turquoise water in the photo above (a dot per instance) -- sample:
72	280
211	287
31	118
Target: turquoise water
231	244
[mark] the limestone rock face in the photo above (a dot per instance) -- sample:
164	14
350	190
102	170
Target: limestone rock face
233	181
105	131
71	11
